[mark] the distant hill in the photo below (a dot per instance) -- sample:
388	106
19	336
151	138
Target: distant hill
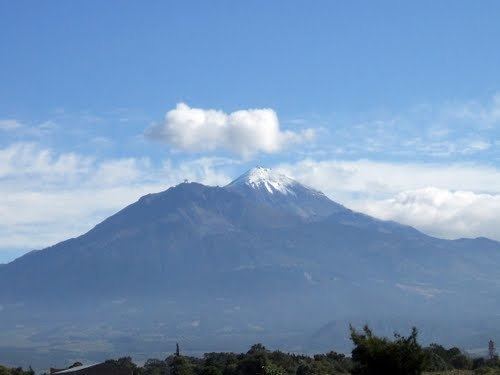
264	256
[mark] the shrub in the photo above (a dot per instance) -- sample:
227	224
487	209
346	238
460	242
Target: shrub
374	355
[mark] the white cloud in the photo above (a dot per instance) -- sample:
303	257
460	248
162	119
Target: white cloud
382	179
26	160
41	189
423	290
206	170
460	130
47	197
463	200
10	124
24	131
478	145
244	132
119	171
440	212
481	114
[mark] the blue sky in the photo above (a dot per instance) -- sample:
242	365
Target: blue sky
390	107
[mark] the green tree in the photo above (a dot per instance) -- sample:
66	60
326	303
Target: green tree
373	355
434	362
254	362
16	371
155	367
461	361
252	365
181	366
273	369
125	363
211	370
304	369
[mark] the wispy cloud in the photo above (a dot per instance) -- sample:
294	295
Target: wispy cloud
478	114
465	130
10	124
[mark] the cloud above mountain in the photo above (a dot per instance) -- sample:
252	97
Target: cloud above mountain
449	201
441	212
383	179
432	167
244	132
41	189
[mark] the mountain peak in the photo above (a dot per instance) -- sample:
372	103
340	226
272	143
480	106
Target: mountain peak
268	187
260	178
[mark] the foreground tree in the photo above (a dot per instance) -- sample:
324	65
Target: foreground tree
438	358
491	350
181	366
373	355
15	371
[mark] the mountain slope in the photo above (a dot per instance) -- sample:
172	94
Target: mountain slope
264	186
263	257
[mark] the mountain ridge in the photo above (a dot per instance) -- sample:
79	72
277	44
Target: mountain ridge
238	256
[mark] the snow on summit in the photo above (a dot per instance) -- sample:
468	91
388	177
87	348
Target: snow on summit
273	189
265	178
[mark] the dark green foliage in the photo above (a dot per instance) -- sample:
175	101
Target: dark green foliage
211	370
433	362
155	367
304	369
491	350
181	366
125	363
373	355
15	371
273	369
478	363
225	362
487	371
332	362
490	366
253	363
438	358
461	361
257	361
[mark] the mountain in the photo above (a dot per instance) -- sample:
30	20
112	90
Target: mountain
265	187
264	258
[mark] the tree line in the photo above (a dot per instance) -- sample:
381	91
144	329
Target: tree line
371	355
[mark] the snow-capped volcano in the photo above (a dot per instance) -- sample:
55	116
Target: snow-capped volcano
265	178
269	187
265	244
